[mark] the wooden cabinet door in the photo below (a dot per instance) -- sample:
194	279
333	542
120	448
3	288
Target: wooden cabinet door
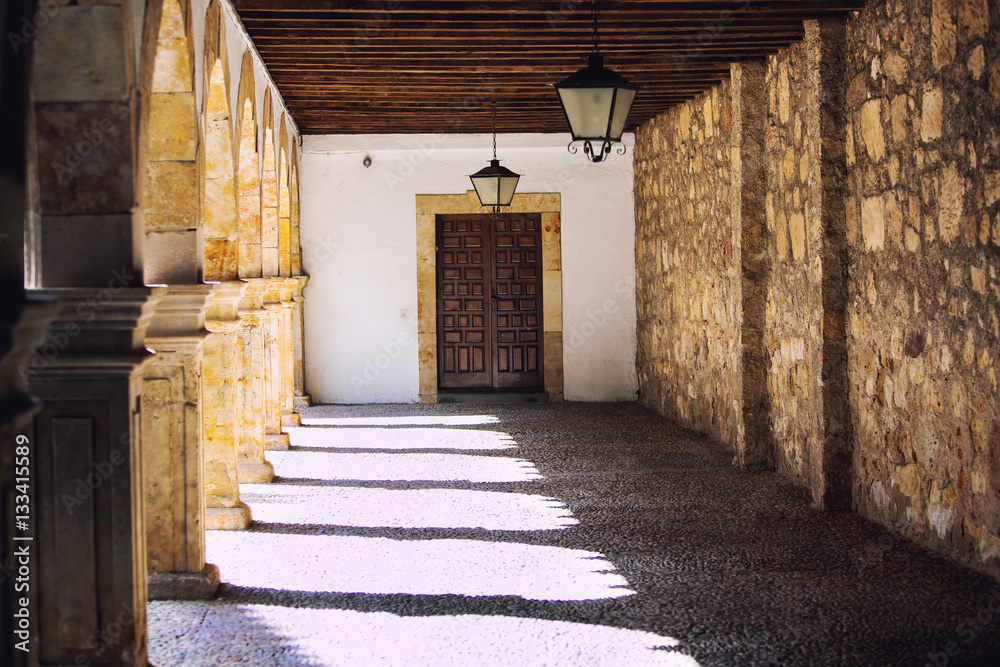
489	289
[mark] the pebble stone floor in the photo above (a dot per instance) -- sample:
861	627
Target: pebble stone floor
561	534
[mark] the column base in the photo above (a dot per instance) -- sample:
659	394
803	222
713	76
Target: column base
228	518
184	585
291	419
303	401
276	442
254	473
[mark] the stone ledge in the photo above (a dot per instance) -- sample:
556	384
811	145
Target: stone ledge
251	472
276	442
184	585
228	518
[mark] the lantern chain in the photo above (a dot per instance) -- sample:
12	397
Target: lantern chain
493	104
596	12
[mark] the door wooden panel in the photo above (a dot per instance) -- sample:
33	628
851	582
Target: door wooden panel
489	302
464	338
517	290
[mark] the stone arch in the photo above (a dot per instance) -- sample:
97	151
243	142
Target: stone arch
269	195
220	247
284	205
248	176
169	195
293	196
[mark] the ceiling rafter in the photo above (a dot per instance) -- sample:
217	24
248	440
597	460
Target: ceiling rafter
423	66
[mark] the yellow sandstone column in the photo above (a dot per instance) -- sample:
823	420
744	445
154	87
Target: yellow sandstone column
288	415
273	437
301	399
221	411
173	463
252	467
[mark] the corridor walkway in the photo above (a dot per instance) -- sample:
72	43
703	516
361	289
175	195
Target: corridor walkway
565	534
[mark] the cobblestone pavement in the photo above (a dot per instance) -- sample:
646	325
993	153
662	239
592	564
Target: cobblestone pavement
563	534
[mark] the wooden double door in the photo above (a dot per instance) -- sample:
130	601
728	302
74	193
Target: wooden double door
489	296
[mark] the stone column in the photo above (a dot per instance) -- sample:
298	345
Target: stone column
288	415
87	472
172	455
273	436
301	399
757	447
221	412
23	327
252	467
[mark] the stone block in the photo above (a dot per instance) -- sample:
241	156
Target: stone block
170	198
86	251
172	258
552	300
553	343
269	227
219	213
943	37
270	261
931	119
249	218
284	236
184	585
951	203
218	153
250	260
84	158
797	232
221	260
427	358
173	128
973	19
871	129
900	113
873	222
551	243
426	302
79	55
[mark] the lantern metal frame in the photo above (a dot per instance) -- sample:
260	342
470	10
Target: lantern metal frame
596	76
495	171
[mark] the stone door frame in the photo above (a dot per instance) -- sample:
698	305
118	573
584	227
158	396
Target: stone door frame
428	207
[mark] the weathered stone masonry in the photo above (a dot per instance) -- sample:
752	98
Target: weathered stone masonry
878	265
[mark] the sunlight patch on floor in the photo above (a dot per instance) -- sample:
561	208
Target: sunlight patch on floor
364	507
385	566
399	438
348	637
456	420
401	467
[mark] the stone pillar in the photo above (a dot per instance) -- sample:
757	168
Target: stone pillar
221	412
838	442
252	467
288	415
301	399
173	462
273	437
87	472
23	327
756	449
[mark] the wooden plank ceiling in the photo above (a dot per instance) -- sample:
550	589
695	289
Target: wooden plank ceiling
414	66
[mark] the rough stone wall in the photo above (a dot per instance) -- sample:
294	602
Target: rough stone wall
794	315
687	267
923	102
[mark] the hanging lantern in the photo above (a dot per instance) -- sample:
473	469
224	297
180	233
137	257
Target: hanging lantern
596	102
495	184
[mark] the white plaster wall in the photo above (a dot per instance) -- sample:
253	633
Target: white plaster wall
359	248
